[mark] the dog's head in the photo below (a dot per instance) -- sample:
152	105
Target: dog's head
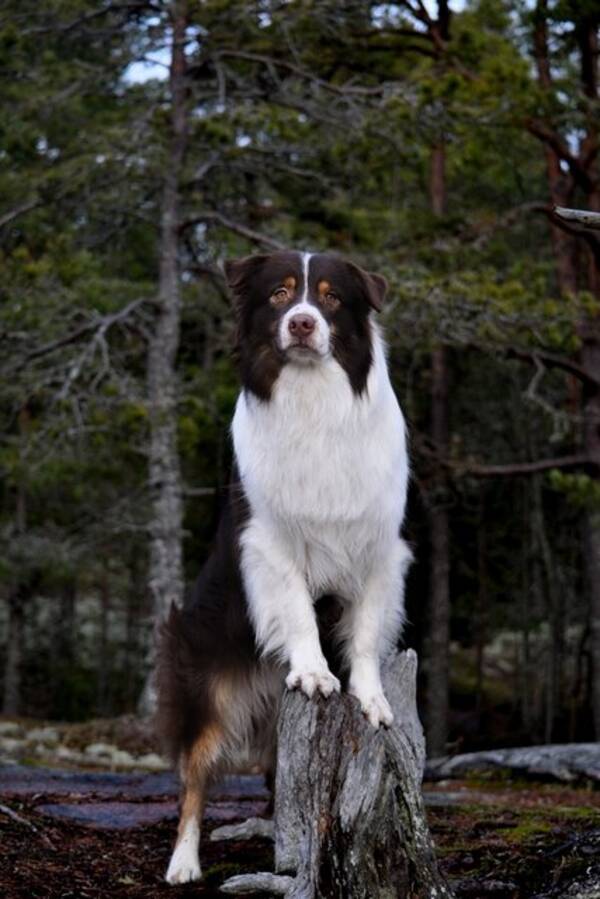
301	309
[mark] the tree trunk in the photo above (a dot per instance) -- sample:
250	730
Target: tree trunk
560	183
20	594
349	816
438	638
590	357
103	658
11	700
566	246
165	581
482	608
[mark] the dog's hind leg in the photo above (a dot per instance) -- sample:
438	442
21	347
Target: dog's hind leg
196	768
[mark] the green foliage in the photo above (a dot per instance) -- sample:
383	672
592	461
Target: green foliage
581	490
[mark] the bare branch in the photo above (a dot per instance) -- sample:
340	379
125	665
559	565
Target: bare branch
553	360
10	216
236	227
273	63
582	217
100	325
6	810
554	140
519	469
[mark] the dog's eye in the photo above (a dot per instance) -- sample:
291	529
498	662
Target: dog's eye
331	300
280	296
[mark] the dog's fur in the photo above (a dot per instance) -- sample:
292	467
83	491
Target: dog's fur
310	539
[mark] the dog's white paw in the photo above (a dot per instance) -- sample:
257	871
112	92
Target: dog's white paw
183	867
311	681
375	706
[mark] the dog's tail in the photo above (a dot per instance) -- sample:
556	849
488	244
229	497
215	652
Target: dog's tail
184	702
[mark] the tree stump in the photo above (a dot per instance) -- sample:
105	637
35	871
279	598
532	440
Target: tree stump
349	816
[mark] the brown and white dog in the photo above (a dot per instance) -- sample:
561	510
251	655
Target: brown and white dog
314	515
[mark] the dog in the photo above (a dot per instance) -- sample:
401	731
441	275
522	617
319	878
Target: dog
312	522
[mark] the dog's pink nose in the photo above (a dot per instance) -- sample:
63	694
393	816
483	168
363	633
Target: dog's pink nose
301	325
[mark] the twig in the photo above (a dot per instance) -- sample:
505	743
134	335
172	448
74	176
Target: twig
5	810
10	216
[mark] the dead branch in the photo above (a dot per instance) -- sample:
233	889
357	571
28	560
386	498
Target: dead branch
236	227
98	325
10	216
582	217
556	142
5	810
553	360
518	469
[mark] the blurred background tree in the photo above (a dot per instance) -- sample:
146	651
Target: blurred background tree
141	144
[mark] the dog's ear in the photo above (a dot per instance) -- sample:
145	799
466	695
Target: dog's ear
239	271
374	286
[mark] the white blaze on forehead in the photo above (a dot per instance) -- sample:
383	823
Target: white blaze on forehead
319	340
306	257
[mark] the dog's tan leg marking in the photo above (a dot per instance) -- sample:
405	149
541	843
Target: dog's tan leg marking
185	864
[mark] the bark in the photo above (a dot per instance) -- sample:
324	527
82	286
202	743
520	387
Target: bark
349	816
165	581
438	639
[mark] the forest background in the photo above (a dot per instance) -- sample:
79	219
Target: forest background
141	144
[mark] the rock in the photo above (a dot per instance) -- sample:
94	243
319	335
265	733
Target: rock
10	729
122	759
95	750
152	762
568	762
21	780
11	745
64	754
43	735
112	815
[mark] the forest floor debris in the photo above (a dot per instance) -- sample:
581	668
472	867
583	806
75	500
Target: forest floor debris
99	833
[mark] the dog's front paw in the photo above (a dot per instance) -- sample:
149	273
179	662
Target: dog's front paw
311	681
183	868
375	706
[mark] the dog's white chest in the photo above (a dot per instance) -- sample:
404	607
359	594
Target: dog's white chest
325	468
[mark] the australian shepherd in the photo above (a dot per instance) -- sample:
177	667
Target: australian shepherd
307	571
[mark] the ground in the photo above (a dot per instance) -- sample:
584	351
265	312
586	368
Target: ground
99	833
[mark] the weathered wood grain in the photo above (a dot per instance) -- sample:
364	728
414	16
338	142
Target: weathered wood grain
349	816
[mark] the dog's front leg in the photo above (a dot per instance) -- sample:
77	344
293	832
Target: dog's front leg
374	625
282	610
